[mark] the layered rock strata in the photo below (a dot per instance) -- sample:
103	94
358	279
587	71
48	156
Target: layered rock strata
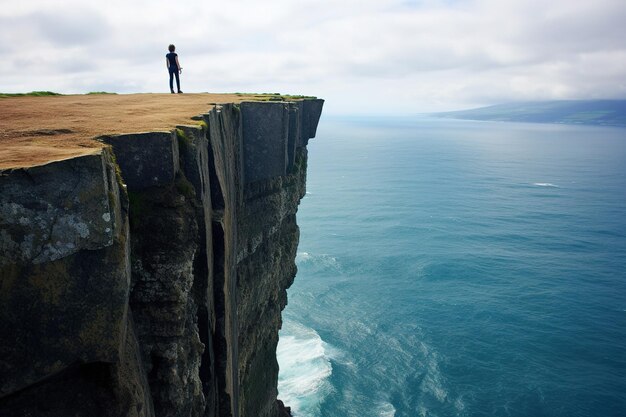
148	278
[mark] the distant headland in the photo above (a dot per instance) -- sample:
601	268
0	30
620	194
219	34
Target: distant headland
586	112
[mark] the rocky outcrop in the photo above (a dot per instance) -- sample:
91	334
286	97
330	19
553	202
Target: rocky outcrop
148	278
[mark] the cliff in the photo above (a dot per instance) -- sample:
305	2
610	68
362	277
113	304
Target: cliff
144	274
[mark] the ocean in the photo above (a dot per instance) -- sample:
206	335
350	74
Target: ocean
459	268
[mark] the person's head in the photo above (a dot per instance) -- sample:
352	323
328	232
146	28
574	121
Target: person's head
171	48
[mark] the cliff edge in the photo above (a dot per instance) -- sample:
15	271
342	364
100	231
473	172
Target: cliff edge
144	274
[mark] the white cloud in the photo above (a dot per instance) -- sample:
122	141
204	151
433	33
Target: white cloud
362	56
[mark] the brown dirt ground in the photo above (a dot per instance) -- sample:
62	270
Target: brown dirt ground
38	130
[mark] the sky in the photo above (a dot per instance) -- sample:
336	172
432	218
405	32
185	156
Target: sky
361	56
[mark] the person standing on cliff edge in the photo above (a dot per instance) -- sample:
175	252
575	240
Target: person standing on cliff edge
174	68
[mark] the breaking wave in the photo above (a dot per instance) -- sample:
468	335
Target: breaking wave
305	368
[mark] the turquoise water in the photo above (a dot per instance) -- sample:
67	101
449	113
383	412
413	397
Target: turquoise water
459	268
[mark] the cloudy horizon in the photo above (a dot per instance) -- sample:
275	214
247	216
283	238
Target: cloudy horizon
395	56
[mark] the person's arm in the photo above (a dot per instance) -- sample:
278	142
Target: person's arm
180	69
167	63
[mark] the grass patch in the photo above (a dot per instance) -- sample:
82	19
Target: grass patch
274	96
98	92
180	134
184	143
31	94
300	97
280	97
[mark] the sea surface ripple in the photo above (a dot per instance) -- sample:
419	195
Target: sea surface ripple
458	268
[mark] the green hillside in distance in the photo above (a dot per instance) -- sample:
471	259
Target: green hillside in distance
587	112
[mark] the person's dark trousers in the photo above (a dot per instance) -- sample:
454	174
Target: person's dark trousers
172	74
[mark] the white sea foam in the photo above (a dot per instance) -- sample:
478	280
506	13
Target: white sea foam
433	385
303	256
386	409
321	261
545	184
304	368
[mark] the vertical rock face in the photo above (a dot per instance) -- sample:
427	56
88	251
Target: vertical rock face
266	251
148	279
65	282
164	240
